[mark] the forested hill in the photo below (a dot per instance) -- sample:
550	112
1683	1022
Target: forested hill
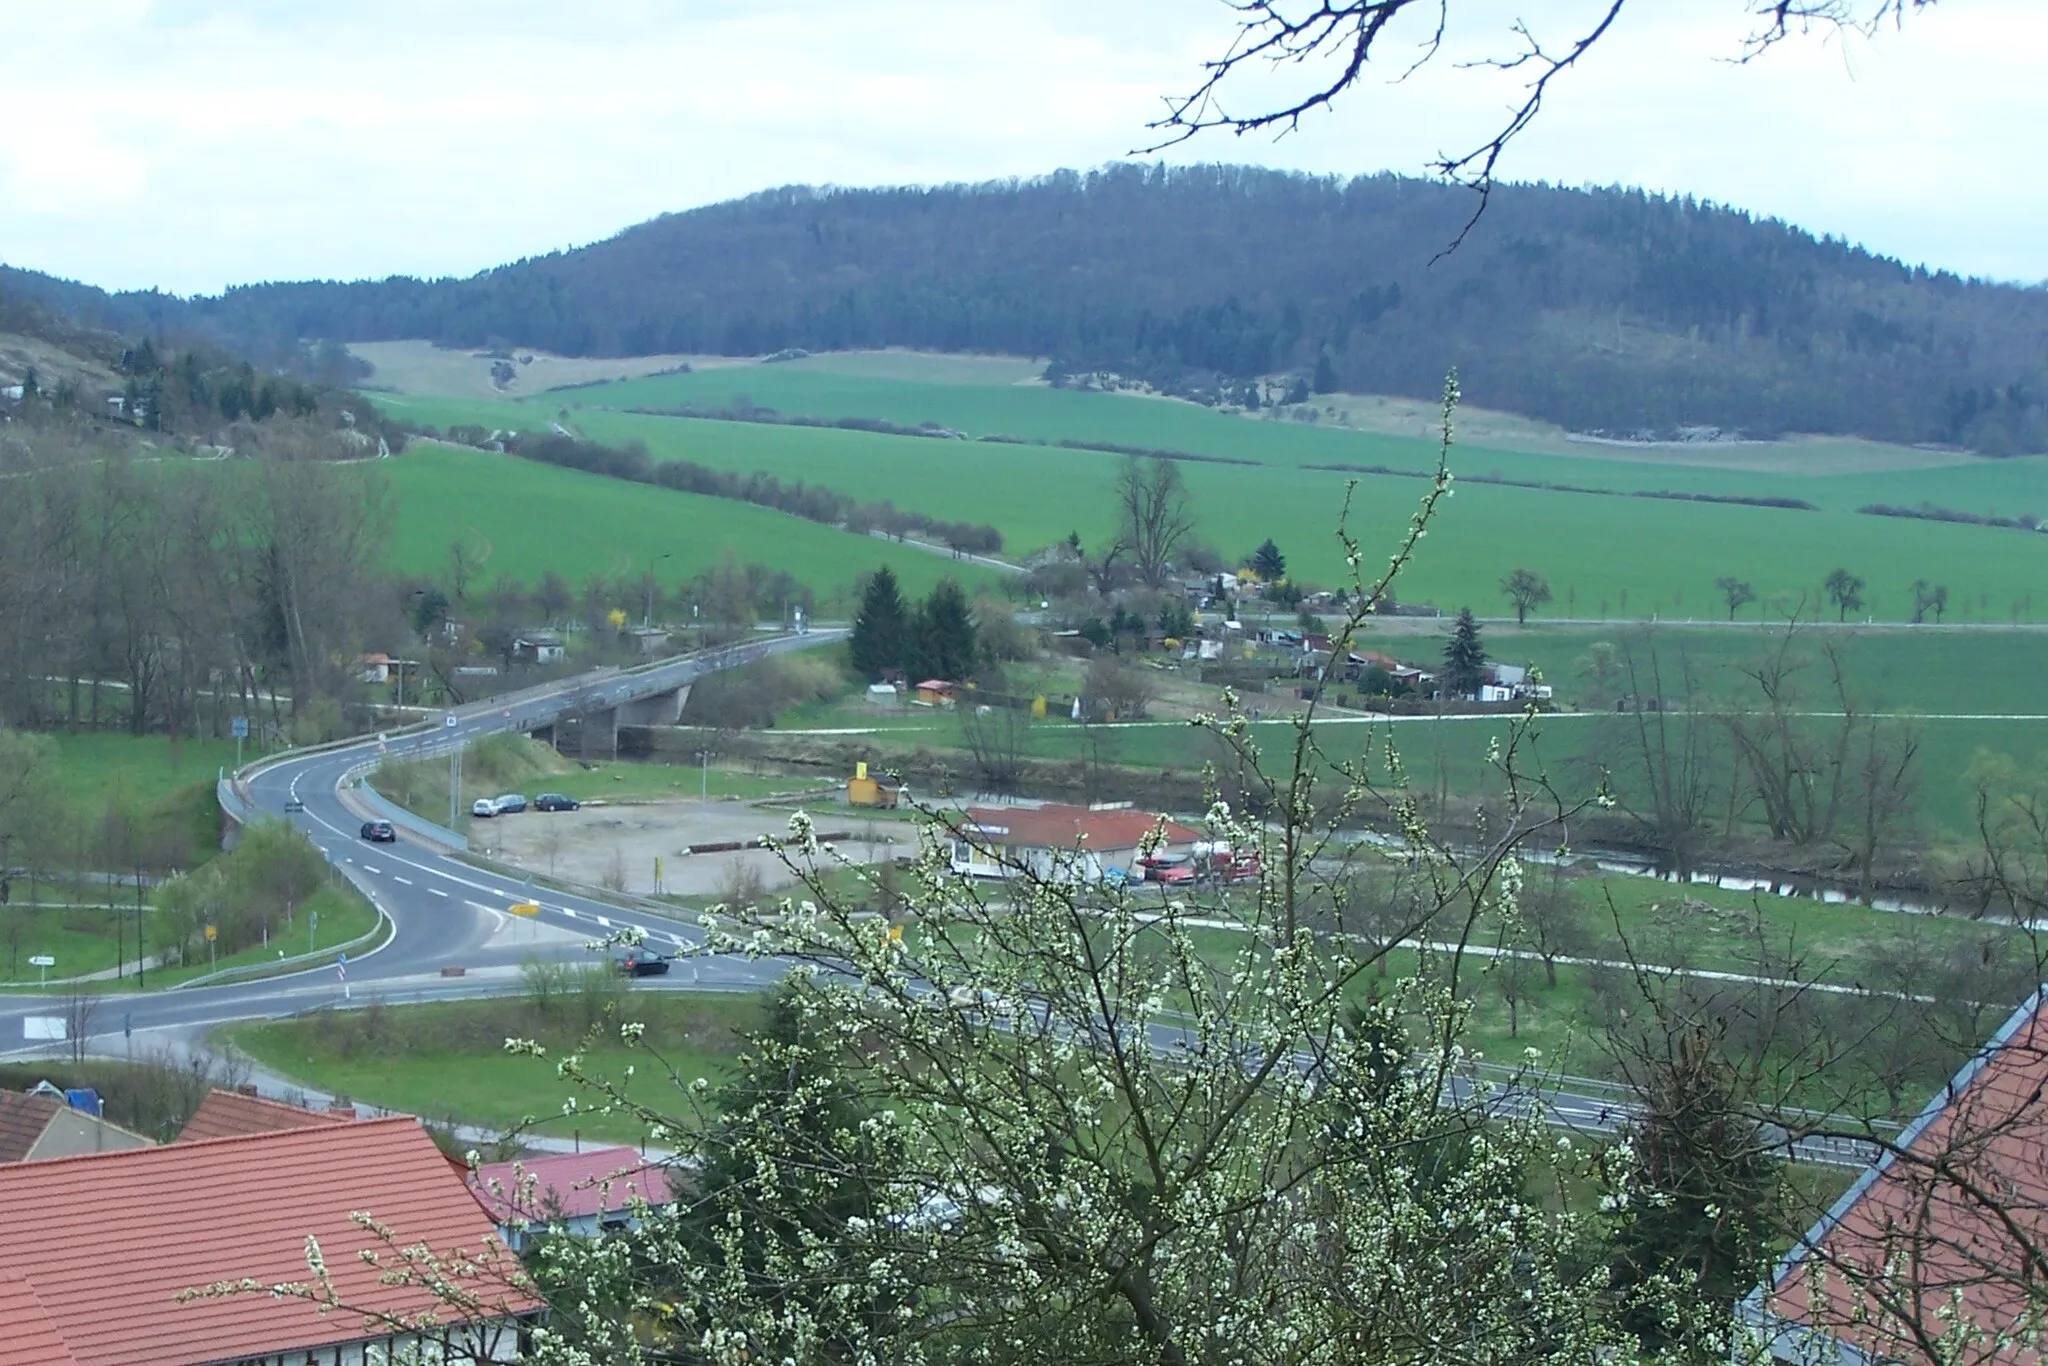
1603	310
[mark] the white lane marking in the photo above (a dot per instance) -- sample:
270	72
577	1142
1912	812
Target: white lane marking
573	915
373	869
438	892
406	880
603	920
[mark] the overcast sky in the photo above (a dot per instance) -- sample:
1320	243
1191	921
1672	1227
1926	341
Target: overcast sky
194	144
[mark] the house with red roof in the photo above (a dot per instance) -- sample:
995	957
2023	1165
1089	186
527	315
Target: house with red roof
236	1114
40	1124
1058	843
100	1255
581	1194
1937	1252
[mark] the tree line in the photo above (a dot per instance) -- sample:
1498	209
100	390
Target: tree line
633	462
1604	310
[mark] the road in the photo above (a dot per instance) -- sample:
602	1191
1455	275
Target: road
446	912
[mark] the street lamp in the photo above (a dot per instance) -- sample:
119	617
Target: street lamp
647	617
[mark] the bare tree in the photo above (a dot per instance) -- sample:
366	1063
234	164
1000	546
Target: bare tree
1526	590
1322	48
997	737
81	1008
1153	501
1735	592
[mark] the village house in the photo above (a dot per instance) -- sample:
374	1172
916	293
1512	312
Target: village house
579	1194
537	647
46	1122
1949	1267
97	1252
1057	843
238	1113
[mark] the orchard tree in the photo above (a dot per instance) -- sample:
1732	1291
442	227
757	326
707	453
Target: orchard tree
1152	500
879	627
1525	589
1845	591
1735	592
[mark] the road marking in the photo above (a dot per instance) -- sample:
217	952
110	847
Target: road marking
603	920
573	915
406	880
373	869
438	892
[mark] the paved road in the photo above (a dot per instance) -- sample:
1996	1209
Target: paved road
446	912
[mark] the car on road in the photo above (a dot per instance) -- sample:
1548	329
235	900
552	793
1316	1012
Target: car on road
379	832
292	804
642	962
555	801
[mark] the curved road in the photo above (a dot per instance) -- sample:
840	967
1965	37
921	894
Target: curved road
446	912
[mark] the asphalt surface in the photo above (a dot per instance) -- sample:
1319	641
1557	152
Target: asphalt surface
448	913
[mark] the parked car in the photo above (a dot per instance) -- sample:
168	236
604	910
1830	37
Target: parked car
555	801
511	804
641	962
379	832
484	806
1172	871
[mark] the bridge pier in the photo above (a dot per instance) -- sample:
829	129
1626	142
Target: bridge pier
594	733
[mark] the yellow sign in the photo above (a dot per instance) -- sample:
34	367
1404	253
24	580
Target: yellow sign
210	934
523	908
1038	707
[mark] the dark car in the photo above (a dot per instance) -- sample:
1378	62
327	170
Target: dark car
642	963
555	801
293	804
379	832
511	804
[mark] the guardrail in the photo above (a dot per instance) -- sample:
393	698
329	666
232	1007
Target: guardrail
291	964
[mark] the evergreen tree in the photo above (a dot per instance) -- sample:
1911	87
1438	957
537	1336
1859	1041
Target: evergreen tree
1326	374
1464	657
791	1105
879	627
941	639
1267	562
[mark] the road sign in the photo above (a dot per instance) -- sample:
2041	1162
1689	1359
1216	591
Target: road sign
42	960
239	727
211	934
523	908
451	720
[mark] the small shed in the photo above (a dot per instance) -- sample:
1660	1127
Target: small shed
936	692
538	647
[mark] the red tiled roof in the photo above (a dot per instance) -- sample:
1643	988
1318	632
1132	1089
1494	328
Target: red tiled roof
26	1333
568	1185
108	1241
23	1117
1920	1229
1068	827
230	1114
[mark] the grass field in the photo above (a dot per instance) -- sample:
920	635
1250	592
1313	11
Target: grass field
1620	557
448	1062
82	940
528	518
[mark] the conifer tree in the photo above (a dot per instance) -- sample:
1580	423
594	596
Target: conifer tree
879	627
1464	657
941	640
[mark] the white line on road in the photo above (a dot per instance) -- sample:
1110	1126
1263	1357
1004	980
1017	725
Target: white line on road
406	880
438	892
372	868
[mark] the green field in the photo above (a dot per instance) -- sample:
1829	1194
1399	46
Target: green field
448	1062
1605	556
527	518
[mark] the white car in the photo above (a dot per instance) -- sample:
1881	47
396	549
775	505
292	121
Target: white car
483	806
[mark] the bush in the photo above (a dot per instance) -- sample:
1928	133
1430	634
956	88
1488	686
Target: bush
756	694
249	895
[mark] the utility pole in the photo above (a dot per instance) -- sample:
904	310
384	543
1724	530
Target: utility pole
703	775
647	616
454	783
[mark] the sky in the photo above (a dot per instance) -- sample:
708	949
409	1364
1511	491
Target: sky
192	145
